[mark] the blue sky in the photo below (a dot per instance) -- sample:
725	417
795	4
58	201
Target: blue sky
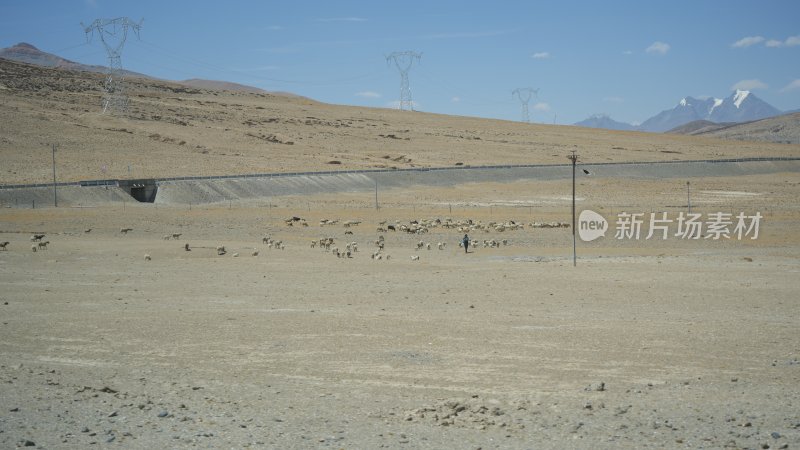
629	59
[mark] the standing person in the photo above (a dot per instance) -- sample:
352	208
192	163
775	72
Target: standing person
465	243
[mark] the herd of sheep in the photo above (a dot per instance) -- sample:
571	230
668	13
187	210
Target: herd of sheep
350	247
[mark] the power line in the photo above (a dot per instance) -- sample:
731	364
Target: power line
217	68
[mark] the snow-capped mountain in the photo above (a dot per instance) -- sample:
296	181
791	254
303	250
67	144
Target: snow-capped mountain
740	106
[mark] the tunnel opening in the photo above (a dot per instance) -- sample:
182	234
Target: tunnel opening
143	191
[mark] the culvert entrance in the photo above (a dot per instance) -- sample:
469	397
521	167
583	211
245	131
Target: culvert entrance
142	190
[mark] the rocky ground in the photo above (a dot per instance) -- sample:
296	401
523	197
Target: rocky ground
648	344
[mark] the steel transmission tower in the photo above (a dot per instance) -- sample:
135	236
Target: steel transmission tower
403	62
113	33
524	95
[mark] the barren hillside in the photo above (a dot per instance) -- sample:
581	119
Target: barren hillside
783	129
174	130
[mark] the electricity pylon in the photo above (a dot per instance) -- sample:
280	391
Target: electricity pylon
403	62
524	95
113	33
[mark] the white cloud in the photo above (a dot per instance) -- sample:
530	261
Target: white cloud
541	55
627	52
455	99
368	94
541	106
791	41
749	85
792	86
613	99
748	41
274	28
658	47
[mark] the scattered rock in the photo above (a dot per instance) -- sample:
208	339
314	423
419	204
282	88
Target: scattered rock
600	387
163	414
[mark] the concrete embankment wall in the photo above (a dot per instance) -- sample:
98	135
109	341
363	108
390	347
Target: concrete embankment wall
220	190
196	191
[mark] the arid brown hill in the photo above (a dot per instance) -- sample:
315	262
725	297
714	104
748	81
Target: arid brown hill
174	130
784	129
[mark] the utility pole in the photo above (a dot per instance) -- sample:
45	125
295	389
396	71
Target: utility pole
376	195
688	198
403	62
55	194
524	95
574	158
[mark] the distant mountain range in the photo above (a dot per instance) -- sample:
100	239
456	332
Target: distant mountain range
604	121
782	129
27	53
740	106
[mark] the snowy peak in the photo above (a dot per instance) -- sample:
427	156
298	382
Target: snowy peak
740	106
717	102
739	97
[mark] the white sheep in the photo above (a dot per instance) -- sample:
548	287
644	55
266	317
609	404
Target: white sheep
176	236
441	245
125	230
415	257
43	245
147	257
221	250
33	248
255	253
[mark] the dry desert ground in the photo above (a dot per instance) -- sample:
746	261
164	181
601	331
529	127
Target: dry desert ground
646	343
661	343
